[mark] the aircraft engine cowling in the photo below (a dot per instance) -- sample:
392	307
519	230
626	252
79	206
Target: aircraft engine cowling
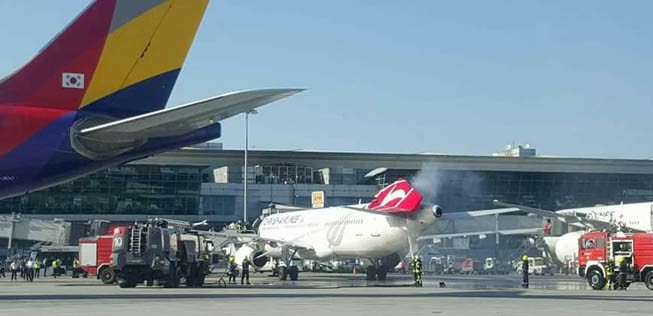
255	257
274	252
565	247
437	211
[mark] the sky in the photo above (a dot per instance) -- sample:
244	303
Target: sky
571	78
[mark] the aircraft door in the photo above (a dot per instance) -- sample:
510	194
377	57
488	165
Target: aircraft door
374	228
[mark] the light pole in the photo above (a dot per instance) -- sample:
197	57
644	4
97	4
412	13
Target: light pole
15	218
245	173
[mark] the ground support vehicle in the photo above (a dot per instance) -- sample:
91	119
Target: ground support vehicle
156	252
536	266
596	248
471	266
95	257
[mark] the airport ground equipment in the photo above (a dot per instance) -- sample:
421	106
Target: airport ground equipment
597	247
536	266
435	266
95	257
159	252
493	266
471	266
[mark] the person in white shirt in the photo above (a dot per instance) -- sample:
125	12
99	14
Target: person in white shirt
14	270
30	270
45	267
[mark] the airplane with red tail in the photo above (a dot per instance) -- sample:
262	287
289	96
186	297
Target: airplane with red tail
95	96
382	231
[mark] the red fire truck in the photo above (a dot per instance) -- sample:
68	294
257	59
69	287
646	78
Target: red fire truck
595	248
95	257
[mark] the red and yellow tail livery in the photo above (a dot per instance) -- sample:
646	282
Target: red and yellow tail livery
95	95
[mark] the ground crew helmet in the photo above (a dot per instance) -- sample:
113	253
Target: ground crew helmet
620	259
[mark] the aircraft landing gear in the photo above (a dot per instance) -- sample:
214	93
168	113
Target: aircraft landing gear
288	270
376	272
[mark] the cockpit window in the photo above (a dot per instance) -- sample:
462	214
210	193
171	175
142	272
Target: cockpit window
600	243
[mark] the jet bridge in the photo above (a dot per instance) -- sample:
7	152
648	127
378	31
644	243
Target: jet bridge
16	228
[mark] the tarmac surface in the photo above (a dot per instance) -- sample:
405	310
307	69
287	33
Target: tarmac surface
327	294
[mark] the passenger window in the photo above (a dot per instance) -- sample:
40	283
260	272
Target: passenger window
589	244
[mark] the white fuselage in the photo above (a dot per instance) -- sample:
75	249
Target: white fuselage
637	216
345	233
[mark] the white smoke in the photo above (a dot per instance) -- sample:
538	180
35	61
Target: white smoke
439	186
427	181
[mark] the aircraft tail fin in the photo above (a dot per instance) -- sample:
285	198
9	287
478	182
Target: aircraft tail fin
118	58
399	197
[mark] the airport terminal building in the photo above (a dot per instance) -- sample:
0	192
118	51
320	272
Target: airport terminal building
206	182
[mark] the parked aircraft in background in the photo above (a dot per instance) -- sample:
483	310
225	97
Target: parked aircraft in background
634	216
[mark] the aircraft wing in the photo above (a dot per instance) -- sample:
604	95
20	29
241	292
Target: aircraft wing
569	219
489	232
495	211
244	238
184	118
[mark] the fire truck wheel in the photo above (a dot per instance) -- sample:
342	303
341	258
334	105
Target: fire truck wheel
370	273
648	279
107	276
293	272
595	279
174	279
381	273
283	273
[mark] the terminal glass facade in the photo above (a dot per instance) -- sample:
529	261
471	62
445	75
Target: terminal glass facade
470	190
176	190
130	189
286	173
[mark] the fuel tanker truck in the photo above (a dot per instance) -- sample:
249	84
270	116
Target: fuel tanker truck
157	252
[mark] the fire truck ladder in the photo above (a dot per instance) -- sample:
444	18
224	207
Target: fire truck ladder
135	239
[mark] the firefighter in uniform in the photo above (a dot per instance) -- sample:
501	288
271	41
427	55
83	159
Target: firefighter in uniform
609	271
524	270
76	268
623	269
232	269
417	271
55	268
37	267
245	273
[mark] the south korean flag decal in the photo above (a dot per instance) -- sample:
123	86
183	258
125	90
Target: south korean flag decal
72	80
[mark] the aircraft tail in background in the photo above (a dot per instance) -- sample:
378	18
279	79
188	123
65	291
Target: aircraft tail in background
118	58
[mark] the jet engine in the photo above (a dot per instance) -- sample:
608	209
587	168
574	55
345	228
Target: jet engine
437	211
255	257
564	247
